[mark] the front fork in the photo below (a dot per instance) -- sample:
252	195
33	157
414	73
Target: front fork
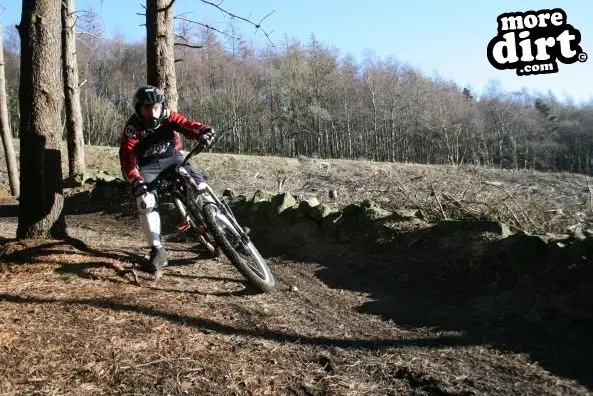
187	223
205	196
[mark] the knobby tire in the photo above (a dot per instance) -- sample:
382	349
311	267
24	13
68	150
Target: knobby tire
265	285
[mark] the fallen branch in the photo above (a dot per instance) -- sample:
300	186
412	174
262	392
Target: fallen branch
438	201
465	190
574	182
524	213
511	196
590	193
401	186
168	361
453	200
513	213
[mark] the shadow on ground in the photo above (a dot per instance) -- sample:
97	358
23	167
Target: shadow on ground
272	335
76	258
425	278
40	251
422	279
112	199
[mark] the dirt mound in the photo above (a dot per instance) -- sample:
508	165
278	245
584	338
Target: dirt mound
484	250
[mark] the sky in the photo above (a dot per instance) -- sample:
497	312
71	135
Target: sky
447	39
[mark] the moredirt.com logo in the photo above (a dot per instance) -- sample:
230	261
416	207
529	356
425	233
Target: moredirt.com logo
532	42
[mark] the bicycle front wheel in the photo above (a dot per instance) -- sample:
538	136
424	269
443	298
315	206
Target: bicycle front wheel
243	255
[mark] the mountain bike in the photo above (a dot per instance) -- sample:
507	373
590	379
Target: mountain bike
213	220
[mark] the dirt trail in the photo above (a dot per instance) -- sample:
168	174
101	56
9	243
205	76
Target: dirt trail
342	324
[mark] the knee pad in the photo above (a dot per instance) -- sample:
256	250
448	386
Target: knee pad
146	203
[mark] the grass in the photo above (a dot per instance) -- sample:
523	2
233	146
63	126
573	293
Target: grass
529	200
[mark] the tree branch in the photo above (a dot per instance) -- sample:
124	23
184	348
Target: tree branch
143	6
227	12
206	26
256	25
82	41
185	13
188	45
92	35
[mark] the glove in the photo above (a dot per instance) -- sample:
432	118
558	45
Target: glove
208	136
139	188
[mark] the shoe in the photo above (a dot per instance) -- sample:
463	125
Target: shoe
157	260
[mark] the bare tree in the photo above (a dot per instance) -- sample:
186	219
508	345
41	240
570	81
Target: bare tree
42	200
76	163
301	99
11	45
160	65
5	127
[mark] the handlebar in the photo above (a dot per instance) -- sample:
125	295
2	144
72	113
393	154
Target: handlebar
201	145
195	151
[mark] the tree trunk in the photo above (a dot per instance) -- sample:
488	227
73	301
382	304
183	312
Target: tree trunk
160	65
76	163
42	201
5	127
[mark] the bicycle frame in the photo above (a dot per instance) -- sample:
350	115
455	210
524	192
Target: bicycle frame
224	207
164	183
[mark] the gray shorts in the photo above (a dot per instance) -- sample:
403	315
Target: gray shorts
151	171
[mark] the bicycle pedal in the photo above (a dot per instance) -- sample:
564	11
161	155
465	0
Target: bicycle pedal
184	226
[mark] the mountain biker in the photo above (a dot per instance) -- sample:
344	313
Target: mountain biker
149	143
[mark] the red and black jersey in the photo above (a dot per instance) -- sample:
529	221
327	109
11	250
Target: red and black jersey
140	146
